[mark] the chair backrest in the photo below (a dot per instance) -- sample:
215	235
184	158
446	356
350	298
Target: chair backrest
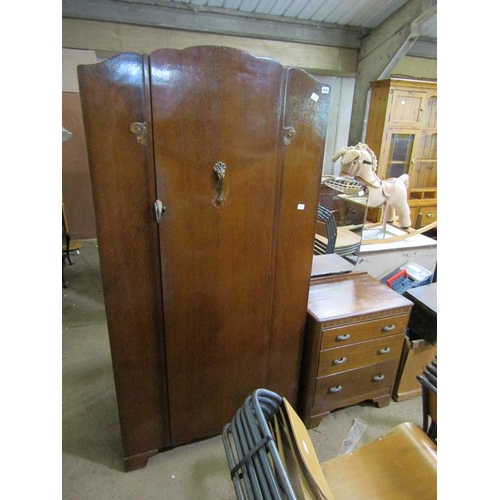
270	453
324	242
428	381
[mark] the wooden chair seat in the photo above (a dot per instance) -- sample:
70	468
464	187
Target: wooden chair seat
400	465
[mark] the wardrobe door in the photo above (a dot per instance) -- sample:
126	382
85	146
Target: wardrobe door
302	148
115	106
216	115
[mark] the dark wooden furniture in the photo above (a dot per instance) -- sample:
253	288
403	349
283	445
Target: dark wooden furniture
354	337
205	166
423	319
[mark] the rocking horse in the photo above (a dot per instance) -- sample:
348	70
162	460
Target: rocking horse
359	162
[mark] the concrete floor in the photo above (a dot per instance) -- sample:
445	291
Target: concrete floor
92	465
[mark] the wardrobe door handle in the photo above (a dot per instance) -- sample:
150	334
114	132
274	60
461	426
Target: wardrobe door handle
388	328
220	173
378	378
385	350
335	389
344	337
339	361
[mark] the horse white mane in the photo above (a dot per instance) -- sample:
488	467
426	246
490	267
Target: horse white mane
359	161
350	152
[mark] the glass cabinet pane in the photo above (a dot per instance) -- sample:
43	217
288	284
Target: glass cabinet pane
400	154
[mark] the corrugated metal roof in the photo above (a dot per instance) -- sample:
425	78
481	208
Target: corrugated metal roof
335	23
357	13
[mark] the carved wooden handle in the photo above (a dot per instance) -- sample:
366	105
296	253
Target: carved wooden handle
220	172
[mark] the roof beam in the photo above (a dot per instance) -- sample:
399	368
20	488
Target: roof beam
164	14
394	38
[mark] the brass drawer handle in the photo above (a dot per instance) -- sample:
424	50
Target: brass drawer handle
339	361
388	328
385	350
378	378
430	215
344	337
335	389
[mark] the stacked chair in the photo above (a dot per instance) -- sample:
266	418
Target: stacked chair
271	456
328	226
428	380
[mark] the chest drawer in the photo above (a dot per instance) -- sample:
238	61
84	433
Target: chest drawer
357	332
366	353
429	215
338	390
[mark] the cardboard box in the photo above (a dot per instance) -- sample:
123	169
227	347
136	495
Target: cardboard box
417	354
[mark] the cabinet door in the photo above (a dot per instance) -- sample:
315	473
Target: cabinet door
407	108
215	108
400	152
423	171
430	112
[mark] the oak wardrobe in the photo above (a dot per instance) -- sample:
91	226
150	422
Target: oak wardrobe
205	166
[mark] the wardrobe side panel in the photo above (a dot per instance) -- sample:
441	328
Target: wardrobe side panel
304	132
113	98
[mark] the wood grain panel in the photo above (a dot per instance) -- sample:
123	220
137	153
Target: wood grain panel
361	354
356	384
215	105
112	94
302	148
357	332
76	186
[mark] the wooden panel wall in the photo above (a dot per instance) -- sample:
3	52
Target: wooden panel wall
76	189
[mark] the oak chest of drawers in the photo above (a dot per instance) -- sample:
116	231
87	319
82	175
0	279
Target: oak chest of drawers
354	339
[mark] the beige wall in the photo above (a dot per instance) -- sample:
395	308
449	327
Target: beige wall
417	67
111	38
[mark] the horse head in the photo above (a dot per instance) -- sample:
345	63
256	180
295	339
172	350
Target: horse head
359	162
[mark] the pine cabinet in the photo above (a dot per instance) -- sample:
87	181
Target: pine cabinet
205	166
402	132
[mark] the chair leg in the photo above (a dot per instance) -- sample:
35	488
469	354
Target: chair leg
68	241
63	266
425	409
432	431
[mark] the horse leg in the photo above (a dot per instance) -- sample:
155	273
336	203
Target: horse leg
391	213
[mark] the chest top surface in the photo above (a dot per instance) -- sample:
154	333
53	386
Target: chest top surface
355	294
